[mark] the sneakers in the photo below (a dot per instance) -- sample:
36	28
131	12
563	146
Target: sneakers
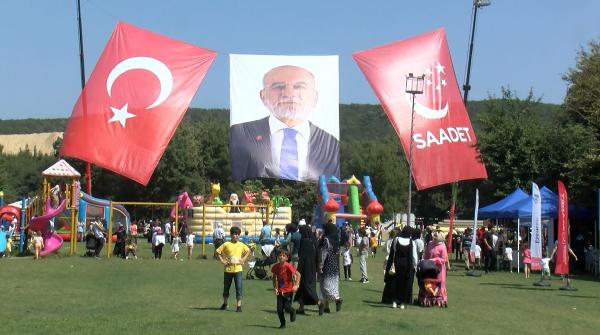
350	279
223	307
364	280
238	309
293	315
402	306
338	305
394	305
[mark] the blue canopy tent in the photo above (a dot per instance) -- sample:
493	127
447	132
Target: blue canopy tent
522	209
497	209
494	210
517	205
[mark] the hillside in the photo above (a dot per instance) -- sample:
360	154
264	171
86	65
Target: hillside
38	142
357	121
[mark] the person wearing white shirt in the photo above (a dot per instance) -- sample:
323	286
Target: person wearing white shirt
158	242
477	251
190	244
508	257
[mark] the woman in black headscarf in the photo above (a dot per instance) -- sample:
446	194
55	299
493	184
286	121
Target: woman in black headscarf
307	266
398	283
329	268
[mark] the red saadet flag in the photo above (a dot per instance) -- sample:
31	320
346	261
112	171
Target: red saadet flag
562	247
134	100
444	142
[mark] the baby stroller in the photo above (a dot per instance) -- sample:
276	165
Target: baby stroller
429	285
257	266
90	245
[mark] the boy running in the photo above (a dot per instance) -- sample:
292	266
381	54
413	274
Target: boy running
286	280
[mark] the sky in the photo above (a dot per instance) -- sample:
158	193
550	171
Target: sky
519	44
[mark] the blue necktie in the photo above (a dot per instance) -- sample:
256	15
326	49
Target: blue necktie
288	160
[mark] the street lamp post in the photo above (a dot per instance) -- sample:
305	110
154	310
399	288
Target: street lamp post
476	4
466	87
414	86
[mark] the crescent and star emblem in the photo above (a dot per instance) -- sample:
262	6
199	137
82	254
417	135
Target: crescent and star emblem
434	84
424	111
159	69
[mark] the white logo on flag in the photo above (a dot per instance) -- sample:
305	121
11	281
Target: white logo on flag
159	69
433	92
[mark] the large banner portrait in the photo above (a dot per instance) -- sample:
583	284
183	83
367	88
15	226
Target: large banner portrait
284	117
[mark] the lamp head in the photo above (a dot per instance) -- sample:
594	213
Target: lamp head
481	3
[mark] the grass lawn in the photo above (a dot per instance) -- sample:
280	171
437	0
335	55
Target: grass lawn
80	295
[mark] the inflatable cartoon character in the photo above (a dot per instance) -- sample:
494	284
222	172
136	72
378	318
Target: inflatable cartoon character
215	189
233	201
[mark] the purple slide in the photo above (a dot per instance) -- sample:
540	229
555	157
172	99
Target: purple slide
52	242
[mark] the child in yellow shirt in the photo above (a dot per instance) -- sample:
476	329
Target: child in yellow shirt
373	244
232	255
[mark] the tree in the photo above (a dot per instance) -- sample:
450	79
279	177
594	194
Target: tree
509	141
21	174
582	103
519	147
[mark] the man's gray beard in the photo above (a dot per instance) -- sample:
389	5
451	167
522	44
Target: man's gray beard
290	114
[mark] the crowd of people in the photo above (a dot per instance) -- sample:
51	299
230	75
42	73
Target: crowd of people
157	233
500	249
307	266
307	260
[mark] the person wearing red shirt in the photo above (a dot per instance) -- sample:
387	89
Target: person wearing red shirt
286	280
133	230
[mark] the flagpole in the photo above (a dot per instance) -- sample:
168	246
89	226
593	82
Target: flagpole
466	88
518	245
88	166
473	272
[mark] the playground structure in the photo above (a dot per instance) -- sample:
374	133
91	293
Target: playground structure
19	212
348	200
62	197
56	212
66	205
8	214
90	208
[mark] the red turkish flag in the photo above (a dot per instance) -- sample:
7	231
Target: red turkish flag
134	100
444	142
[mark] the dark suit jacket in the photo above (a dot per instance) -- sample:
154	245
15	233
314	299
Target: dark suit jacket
250	152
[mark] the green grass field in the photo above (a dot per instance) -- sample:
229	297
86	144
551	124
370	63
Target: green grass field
80	295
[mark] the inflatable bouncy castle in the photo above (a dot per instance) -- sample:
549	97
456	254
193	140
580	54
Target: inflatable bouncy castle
247	212
348	200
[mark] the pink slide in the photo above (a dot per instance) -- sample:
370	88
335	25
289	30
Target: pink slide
52	242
